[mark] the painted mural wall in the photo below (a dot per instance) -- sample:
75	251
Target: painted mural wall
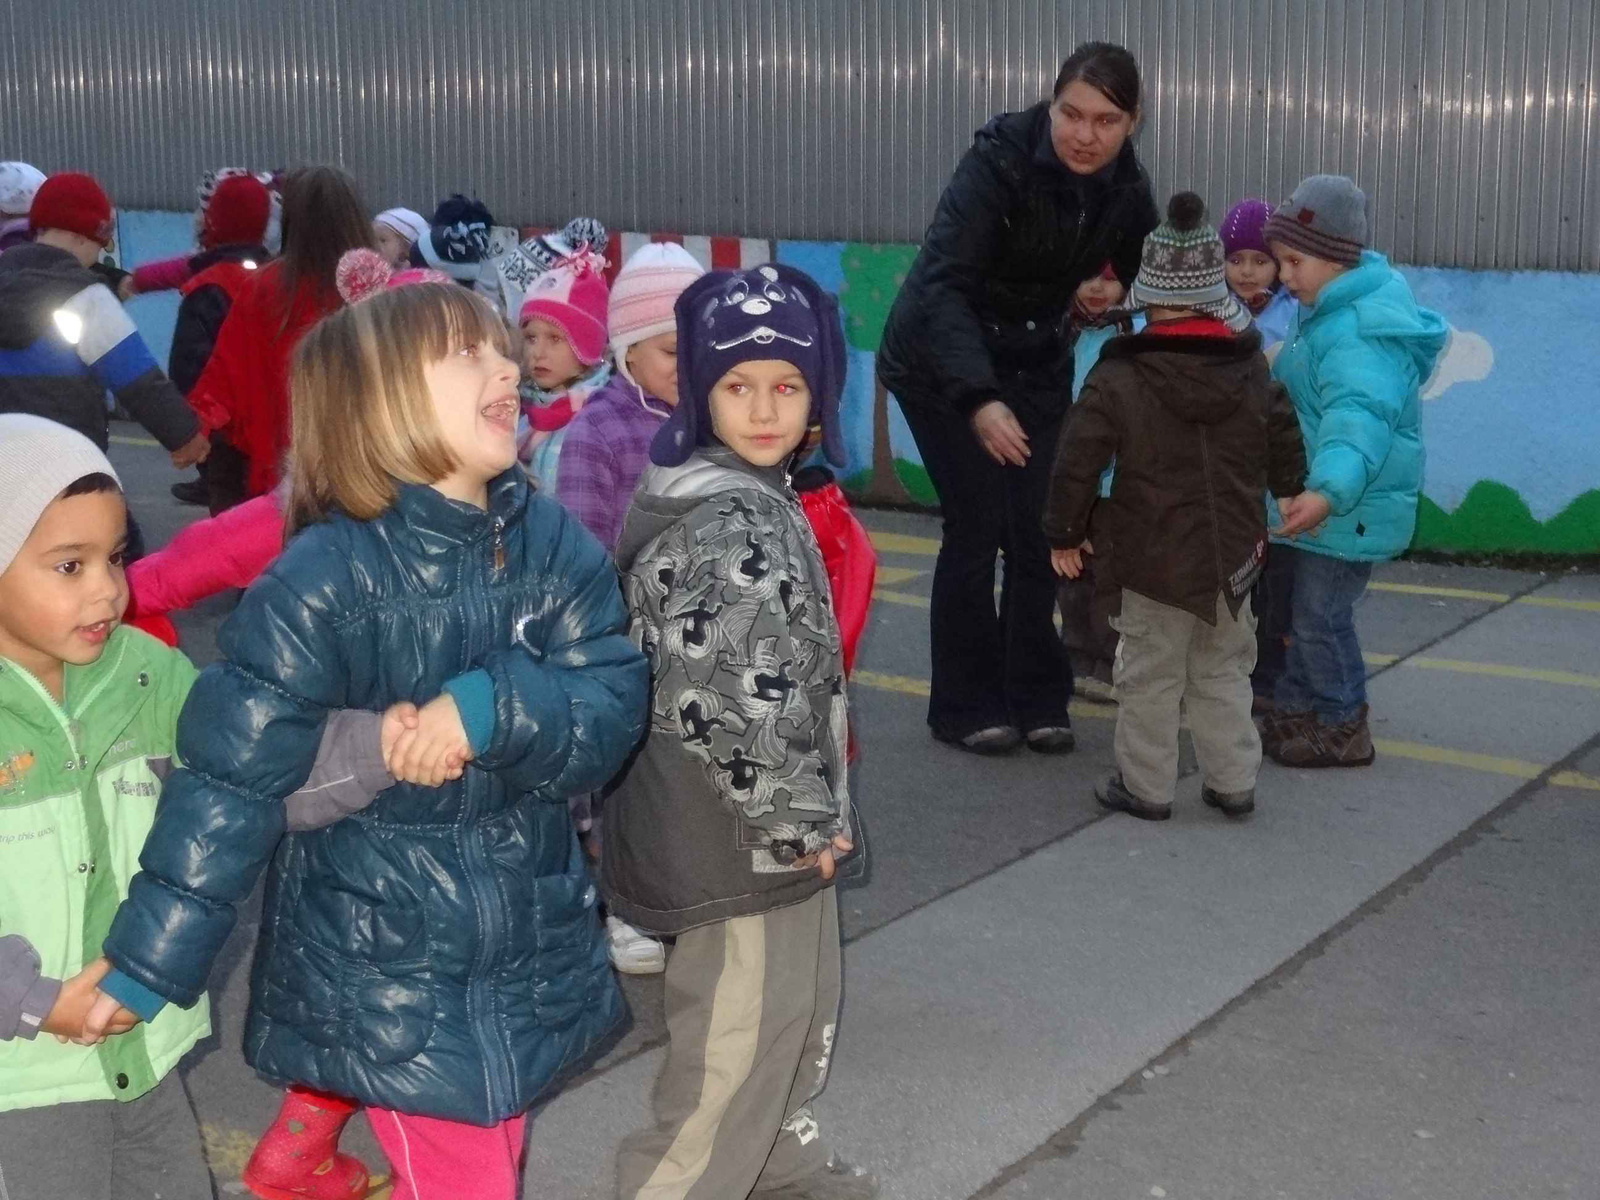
1511	419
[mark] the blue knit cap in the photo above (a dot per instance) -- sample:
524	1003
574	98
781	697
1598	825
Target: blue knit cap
730	317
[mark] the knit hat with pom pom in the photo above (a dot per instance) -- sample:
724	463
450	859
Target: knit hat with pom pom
1184	266
572	296
363	272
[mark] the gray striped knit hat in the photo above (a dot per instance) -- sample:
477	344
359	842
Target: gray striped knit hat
1325	218
1183	266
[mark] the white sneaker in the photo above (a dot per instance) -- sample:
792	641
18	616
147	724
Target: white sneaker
632	952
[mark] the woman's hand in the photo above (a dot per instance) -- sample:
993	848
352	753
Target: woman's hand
1000	434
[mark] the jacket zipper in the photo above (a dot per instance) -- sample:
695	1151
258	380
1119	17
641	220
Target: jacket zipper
497	1076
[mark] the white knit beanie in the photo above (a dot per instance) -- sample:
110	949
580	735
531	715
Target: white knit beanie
39	459
19	183
408	224
647	287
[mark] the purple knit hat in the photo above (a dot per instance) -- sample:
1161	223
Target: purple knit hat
730	317
1242	228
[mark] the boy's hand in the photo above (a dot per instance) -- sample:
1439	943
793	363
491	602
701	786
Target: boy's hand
106	1019
195	450
1305	511
826	861
1001	435
1069	563
436	750
74	1002
396	721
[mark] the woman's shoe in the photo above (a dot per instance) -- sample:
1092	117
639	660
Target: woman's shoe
1052	739
990	740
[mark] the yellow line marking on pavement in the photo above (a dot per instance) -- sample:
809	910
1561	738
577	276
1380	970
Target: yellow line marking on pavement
1496	670
1592	606
1448	593
894	575
906	598
900	543
1488	764
123	440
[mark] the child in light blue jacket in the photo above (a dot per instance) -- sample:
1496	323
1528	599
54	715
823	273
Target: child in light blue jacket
1354	362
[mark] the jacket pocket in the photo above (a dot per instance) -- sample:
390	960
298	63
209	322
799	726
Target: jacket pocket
384	932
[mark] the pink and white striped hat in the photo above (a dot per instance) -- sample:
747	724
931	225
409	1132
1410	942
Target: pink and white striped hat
646	288
572	296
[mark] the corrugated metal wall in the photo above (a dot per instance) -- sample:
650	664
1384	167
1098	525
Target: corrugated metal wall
1473	123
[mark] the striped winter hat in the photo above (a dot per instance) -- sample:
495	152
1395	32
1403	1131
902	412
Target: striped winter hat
1183	266
1325	218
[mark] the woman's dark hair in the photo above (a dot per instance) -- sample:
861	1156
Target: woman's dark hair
94	484
1106	67
323	217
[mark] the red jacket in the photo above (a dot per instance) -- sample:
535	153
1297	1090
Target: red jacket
225	551
847	554
244	389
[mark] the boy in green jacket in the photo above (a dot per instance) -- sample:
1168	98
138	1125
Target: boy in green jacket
88	720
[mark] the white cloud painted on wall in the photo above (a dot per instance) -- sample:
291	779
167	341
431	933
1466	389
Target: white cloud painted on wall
1467	358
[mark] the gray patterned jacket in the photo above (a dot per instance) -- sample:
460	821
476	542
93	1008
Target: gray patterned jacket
745	752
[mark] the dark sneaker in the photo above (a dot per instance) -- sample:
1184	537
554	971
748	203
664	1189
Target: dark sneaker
992	739
1309	744
1052	739
193	491
1231	804
837	1181
1113	794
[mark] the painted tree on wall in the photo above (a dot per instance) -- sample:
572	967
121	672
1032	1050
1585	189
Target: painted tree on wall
872	279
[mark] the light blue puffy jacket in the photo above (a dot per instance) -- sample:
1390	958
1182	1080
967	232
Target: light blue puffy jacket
1354	363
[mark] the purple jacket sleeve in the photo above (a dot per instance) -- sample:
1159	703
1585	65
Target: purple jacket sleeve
587	483
26	996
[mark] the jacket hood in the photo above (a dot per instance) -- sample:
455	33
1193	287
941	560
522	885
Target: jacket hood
1385	308
668	494
34	280
1197	378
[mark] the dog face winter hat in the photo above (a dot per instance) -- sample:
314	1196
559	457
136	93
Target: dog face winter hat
1183	266
1242	228
19	183
643	296
39	459
572	296
74	202
1325	218
729	317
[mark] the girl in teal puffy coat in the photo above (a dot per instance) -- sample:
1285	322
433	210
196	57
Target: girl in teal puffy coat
437	956
1354	362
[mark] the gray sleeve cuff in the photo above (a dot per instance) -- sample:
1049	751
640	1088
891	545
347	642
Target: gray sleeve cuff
347	776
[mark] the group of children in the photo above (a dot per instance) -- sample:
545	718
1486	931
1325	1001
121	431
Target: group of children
1181	430
434	659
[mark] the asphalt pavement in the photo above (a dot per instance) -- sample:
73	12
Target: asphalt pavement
1382	985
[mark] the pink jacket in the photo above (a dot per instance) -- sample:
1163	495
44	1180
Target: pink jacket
225	551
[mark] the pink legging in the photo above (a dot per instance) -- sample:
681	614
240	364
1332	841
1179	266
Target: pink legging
446	1160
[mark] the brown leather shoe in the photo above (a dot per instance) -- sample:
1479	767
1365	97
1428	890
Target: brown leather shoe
1309	744
1278	727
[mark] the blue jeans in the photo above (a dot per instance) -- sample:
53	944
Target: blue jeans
1324	673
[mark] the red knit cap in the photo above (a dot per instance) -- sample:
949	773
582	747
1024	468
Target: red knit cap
74	202
237	213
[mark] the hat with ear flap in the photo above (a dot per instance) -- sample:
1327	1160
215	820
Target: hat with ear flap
772	312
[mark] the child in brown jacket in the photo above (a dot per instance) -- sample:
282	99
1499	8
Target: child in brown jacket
1200	434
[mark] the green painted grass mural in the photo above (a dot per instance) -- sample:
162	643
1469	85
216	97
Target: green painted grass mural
1494	519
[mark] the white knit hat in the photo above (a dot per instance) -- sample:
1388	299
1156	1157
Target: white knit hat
409	225
39	459
18	183
647	287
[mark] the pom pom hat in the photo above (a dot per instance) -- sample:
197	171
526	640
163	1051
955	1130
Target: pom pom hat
573	297
363	272
730	317
1184	266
